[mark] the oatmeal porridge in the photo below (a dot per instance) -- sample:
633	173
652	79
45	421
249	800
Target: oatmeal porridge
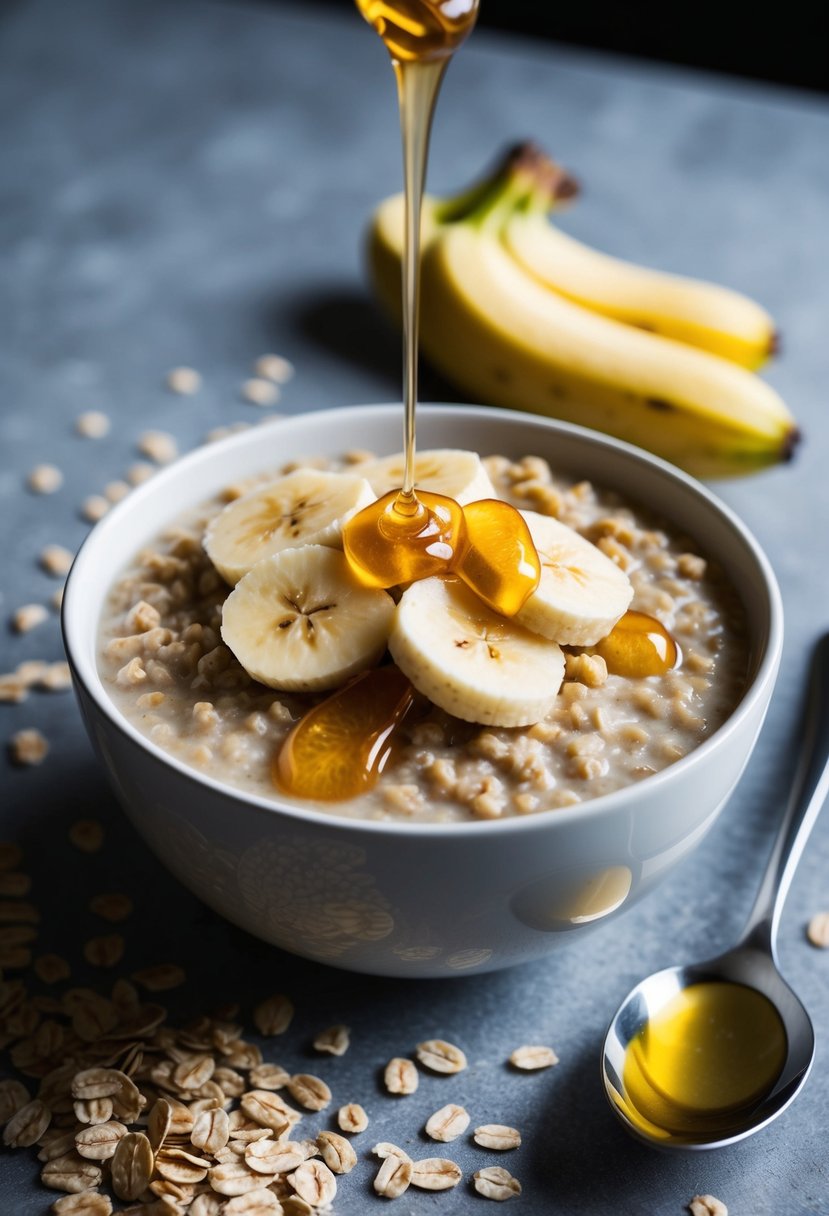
165	665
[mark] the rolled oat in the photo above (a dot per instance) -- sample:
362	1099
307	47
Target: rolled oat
352	1118
529	1059
92	424
393	1177
707	1205
56	560
185	381
496	1183
28	747
274	367
335	1041
441	1056
260	392
400	1076
45	479
28	617
817	930
497	1136
435	1174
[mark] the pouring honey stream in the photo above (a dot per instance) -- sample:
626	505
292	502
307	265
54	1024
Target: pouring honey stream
338	749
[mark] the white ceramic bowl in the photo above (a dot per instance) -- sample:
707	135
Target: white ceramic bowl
419	899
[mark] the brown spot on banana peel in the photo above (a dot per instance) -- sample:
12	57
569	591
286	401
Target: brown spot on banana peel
659	403
775	343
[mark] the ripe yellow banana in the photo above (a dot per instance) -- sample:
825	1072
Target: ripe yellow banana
506	338
701	314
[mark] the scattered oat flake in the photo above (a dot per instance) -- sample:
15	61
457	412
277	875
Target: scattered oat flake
132	1165
114	491
28	747
57	677
28	617
85	1203
27	1124
393	1177
447	1123
528	1058
56	599
274	1015
274	367
45	479
71	1173
260	392
104	951
99	1142
112	907
435	1174
817	930
309	1091
13	1097
87	835
139	472
383	1149
92	424
51	968
158	446
336	1152
183	380
493	1182
94	508
161	977
441	1056
13	689
261	1202
400	1076
56	560
497	1136
352	1118
335	1040
707	1205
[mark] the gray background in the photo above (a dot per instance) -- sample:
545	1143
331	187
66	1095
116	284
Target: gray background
187	183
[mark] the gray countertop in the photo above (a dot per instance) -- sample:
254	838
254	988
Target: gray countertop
186	184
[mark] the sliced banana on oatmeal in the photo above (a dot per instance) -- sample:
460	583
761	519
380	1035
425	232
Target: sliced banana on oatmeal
581	594
470	661
300	621
306	507
450	471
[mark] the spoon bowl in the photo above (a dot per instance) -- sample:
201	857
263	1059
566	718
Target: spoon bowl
651	1000
702	1056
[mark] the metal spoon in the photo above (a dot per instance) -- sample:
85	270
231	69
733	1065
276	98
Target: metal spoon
752	963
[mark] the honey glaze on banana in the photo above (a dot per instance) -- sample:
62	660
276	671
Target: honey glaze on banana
408	534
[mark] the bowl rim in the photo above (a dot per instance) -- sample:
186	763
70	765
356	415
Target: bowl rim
88	679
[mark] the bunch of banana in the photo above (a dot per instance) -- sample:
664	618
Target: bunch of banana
299	618
517	313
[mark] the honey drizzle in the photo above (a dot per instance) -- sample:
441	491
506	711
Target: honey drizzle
339	748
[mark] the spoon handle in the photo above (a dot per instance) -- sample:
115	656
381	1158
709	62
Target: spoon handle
809	789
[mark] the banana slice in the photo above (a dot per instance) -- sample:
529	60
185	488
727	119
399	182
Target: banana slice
450	471
470	661
582	593
300	620
307	507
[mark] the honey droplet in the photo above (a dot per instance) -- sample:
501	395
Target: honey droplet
395	541
500	562
638	645
339	748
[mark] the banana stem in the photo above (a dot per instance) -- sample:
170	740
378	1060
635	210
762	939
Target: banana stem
524	178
